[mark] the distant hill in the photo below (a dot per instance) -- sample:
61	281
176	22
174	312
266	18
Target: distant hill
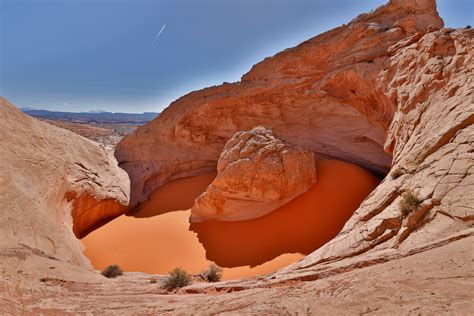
99	117
95	111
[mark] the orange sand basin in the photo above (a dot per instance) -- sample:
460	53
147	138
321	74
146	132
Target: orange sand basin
157	238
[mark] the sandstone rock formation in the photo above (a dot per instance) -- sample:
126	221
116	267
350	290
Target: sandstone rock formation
323	94
257	173
429	77
54	186
389	80
435	281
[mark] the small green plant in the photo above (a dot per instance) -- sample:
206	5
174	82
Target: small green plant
177	279
397	173
153	280
112	271
409	203
213	273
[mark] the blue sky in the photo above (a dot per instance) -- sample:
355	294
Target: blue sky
80	55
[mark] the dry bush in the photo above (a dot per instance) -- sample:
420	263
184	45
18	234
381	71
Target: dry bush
213	273
397	173
177	279
112	271
409	203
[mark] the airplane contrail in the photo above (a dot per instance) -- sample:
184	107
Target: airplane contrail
161	31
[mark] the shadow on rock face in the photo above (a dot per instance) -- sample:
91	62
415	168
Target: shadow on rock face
301	226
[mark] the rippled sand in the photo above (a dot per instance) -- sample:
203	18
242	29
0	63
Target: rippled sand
158	237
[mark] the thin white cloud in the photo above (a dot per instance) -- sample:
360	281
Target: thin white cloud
161	31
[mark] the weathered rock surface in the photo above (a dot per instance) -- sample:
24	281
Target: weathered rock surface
323	94
256	174
54	186
430	78
430	282
389	79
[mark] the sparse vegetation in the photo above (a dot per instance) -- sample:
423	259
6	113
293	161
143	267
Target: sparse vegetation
398	172
468	26
409	203
177	279
213	273
112	271
153	280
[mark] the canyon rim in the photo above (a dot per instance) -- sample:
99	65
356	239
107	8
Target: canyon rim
391	92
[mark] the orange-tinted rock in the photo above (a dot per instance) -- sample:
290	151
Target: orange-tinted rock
54	185
323	94
256	174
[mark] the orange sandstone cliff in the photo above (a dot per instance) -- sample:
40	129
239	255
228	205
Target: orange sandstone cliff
327	94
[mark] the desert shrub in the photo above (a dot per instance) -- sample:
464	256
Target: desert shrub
409	202
397	173
468	26
213	273
153	280
176	279
112	271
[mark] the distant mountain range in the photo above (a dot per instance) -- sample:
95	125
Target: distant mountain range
99	117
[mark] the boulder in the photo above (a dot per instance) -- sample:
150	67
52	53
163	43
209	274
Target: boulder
256	173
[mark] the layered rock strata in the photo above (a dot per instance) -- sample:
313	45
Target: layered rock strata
430	78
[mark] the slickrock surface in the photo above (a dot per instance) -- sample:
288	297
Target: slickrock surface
256	174
51	179
435	281
430	78
390	80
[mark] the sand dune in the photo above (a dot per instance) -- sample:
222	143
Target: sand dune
158	238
